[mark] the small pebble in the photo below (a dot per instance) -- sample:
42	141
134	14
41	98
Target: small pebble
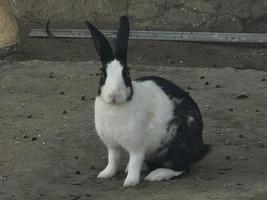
64	112
227	157
76	157
230	109
240	136
218	86
225	168
92	167
3	178
29	116
62	93
97	74
34	138
78	172
202	77
239	184
25	136
83	97
242	96
52	75
257	110
264	79
92	98
207	83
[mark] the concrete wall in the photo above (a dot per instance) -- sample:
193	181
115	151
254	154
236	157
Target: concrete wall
185	15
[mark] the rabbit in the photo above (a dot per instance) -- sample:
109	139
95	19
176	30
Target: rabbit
152	119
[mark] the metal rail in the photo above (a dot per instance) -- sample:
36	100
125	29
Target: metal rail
160	35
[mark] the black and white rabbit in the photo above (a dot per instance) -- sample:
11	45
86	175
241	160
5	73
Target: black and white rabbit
151	118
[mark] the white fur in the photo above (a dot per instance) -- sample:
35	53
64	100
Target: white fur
114	90
161	174
138	126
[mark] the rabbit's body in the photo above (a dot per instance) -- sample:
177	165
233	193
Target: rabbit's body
141	123
151	118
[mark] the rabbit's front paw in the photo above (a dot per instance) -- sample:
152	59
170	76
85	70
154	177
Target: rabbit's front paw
106	173
130	182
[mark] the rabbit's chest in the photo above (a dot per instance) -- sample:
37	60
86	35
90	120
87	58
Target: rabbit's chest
117	124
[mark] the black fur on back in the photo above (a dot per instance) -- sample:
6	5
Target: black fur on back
187	146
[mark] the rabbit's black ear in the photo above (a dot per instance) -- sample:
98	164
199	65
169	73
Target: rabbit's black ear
101	44
122	41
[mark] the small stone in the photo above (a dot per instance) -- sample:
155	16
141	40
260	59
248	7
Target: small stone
75	183
88	195
83	97
3	178
225	168
62	93
227	157
202	77
25	136
51	75
242	96
29	116
257	111
92	167
240	136
218	86
97	74
92	98
264	79
230	109
78	172
239	184
34	138
207	83
76	157
64	112
181	61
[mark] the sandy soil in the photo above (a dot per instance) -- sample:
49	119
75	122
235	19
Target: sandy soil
49	148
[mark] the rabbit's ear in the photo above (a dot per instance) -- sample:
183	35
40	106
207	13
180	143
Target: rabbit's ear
101	44
122	41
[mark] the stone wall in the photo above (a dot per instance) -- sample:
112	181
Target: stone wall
180	15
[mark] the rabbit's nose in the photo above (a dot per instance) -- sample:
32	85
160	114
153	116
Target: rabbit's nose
114	95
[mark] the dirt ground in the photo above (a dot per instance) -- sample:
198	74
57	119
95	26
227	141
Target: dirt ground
49	148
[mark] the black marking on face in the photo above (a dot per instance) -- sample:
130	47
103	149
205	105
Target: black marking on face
127	81
102	80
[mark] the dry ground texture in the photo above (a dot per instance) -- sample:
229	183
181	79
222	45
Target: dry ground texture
49	148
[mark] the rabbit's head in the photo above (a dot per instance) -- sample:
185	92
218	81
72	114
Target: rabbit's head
115	85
